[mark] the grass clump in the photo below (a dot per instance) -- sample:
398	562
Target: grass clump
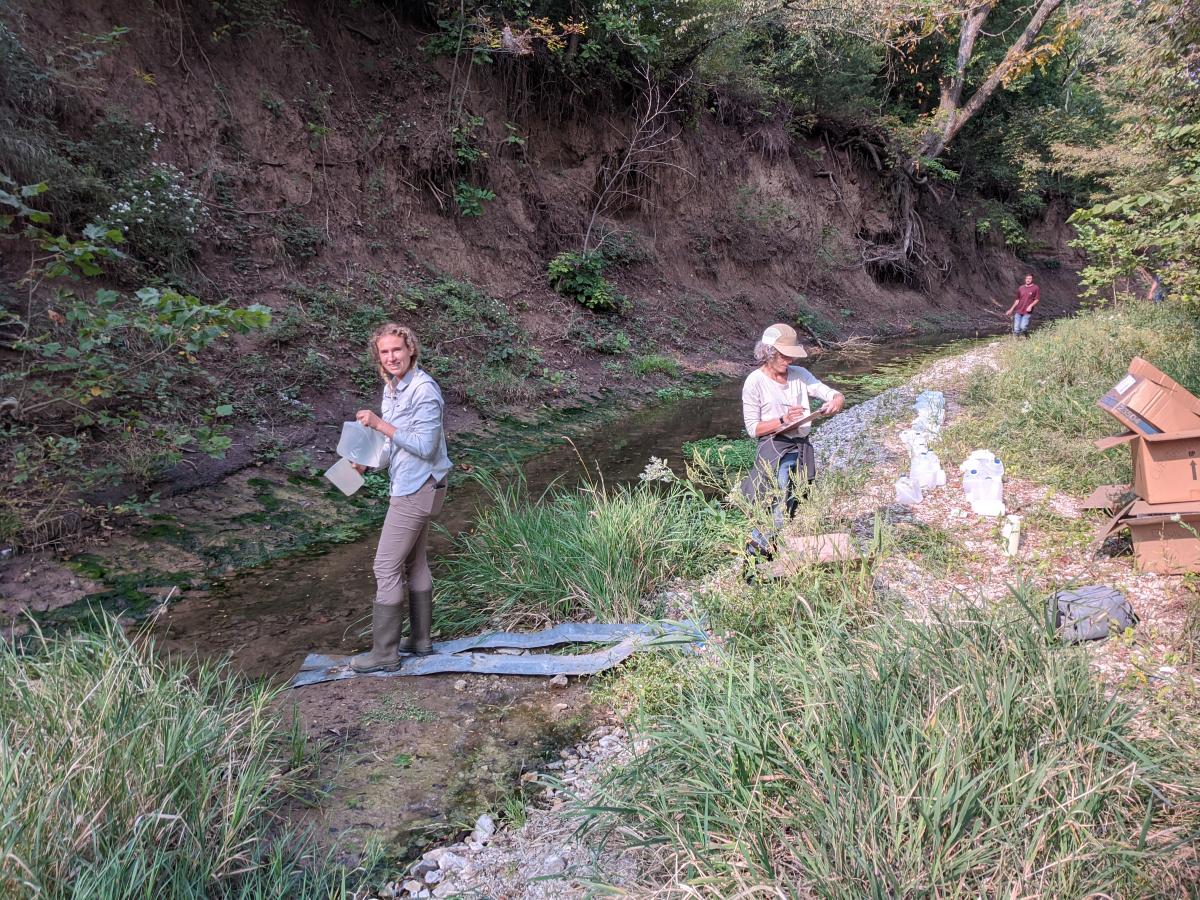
653	364
955	758
122	775
724	456
595	551
1039	412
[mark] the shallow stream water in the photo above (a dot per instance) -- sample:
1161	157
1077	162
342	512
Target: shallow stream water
267	619
416	759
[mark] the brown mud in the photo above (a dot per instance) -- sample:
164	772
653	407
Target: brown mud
415	760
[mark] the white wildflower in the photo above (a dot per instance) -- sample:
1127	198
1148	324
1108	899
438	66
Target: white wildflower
657	470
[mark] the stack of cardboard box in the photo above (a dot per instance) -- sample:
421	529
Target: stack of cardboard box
1162	506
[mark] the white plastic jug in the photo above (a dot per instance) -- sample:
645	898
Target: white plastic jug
344	476
908	491
985	462
916	442
972	479
989	497
926	470
362	445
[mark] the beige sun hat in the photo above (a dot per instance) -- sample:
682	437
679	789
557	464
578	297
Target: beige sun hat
783	338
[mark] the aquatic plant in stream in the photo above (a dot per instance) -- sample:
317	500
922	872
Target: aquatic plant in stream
595	551
123	775
956	758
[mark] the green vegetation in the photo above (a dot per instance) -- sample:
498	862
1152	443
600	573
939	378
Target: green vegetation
728	456
122	775
953	758
580	276
653	364
595	551
1039	412
103	389
470	199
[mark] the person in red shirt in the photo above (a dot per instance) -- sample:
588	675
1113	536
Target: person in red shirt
1029	295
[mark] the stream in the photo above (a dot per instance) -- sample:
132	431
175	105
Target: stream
267	619
413	761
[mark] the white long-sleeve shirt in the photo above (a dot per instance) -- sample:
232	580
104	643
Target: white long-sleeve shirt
413	405
765	398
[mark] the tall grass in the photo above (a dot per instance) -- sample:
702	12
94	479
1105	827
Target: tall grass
958	759
1039	412
123	776
596	551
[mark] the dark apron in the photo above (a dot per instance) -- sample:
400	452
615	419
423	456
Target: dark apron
764	477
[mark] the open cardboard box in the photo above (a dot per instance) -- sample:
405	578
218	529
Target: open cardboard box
1166	467
1148	402
1165	535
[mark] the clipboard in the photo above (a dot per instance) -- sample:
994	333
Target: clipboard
800	423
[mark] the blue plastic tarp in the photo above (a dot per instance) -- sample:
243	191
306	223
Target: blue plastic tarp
453	656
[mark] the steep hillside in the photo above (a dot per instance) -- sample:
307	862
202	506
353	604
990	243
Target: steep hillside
338	167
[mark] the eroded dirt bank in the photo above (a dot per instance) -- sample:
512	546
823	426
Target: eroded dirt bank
326	175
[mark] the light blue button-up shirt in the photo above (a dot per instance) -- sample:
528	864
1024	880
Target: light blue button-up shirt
413	405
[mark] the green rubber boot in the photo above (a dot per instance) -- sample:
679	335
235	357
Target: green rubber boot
387	621
420	609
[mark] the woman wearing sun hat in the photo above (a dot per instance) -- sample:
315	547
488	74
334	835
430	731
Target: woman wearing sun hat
777	407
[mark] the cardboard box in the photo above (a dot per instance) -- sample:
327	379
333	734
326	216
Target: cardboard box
1107	497
799	551
1165	535
1166	467
1167	545
1149	402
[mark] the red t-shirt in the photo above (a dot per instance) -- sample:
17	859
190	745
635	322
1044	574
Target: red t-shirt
1027	295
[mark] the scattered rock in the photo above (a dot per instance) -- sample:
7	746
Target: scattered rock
446	889
554	865
433	876
558	681
451	862
485	827
460	685
413	886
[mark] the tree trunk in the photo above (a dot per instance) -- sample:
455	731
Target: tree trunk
951	117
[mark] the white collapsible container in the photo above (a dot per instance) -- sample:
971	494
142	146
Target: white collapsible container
344	476
908	491
989	497
926	470
362	445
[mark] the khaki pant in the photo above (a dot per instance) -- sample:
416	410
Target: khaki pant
401	561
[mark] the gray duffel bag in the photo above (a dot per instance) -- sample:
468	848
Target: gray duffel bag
1090	613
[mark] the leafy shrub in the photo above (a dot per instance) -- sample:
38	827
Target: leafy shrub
244	18
580	276
610	342
300	240
462	141
158	215
816	324
105	367
653	364
470	199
